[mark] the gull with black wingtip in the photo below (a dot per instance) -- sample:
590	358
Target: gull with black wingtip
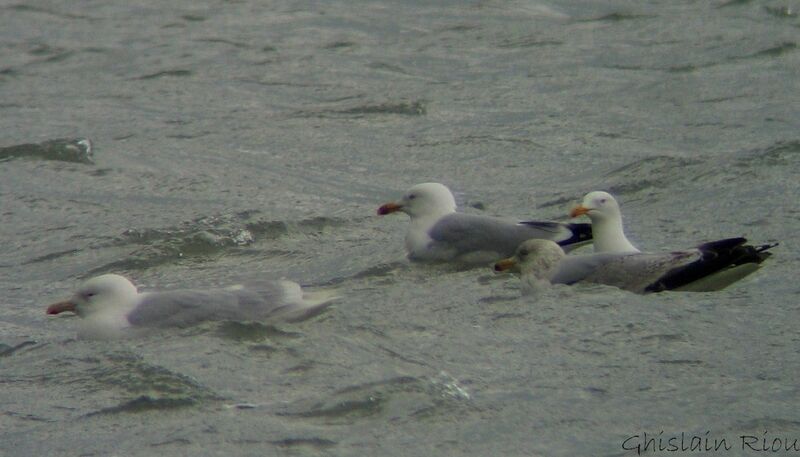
438	233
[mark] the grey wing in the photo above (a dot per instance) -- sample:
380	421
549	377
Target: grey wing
472	232
575	268
259	301
637	271
183	308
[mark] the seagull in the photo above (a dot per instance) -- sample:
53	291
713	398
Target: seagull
110	304
606	217
438	233
708	267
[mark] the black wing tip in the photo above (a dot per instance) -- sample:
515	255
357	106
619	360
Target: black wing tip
736	250
766	247
581	233
756	254
716	256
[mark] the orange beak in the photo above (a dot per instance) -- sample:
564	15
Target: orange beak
505	264
389	208
60	307
578	211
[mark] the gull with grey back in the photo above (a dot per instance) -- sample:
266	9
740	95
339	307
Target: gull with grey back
708	267
110	305
438	233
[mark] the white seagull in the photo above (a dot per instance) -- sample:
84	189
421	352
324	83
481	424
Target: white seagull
110	304
607	231
438	233
708	267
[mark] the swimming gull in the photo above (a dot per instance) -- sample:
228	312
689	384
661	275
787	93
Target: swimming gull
110	304
710	266
438	232
606	217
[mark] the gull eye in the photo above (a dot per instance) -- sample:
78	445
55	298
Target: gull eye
522	252
603	200
412	196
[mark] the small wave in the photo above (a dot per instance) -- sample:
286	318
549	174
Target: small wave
771	52
36	9
118	381
132	374
205	239
689	68
475	140
376	271
50	53
7	350
777	154
774	51
403	396
166	74
253	331
646	173
782	11
642	174
415	108
528	42
618	17
408	109
342	409
313	442
351	403
340	45
731	3
145	403
664	338
769	423
689	362
383	66
235	44
52	256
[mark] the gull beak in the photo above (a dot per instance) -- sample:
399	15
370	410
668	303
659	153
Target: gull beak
578	211
505	264
60	307
389	208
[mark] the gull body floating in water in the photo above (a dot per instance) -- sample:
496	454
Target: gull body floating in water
110	304
438	233
708	267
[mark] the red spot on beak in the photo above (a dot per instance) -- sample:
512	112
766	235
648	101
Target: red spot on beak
389	208
504	265
578	211
60	307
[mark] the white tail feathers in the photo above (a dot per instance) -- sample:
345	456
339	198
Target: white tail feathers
301	305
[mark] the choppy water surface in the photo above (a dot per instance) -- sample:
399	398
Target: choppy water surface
188	144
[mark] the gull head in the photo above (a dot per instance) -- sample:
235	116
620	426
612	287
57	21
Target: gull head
537	261
535	256
607	231
598	205
426	199
96	294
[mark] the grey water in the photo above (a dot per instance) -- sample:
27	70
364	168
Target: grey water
188	144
